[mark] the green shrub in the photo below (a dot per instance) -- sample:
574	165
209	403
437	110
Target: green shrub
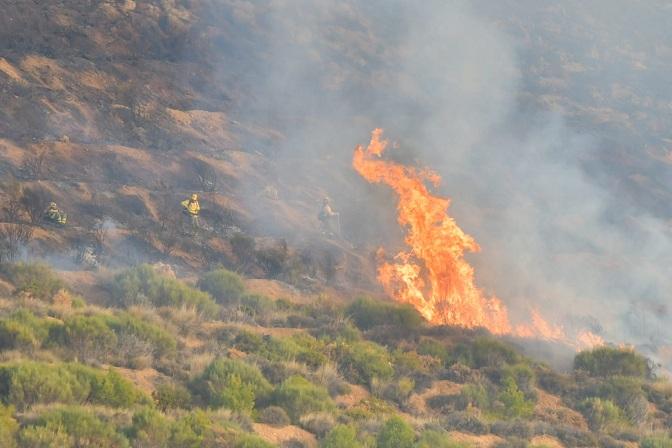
626	392
397	390
298	396
318	423
524	377
252	441
300	347
112	389
274	415
127	326
362	361
23	330
341	436
368	313
662	441
475	395
256	305
225	286
8	427
231	384
171	396
149	428
431	347
36	279
24	384
515	404
144	285
71	427
610	361
396	433
191	430
88	336
601	414
437	439
489	352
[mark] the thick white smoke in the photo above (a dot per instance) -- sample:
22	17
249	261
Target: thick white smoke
445	81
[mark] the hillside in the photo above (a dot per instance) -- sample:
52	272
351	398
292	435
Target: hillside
128	327
164	363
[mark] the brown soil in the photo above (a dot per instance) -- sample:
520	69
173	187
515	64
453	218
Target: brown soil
277	435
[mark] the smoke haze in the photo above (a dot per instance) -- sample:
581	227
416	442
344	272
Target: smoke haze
457	86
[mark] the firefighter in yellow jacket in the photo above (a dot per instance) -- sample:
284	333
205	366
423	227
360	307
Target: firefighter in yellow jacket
55	216
192	208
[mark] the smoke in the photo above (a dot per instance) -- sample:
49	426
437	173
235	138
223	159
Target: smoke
446	82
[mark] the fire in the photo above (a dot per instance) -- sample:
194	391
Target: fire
433	275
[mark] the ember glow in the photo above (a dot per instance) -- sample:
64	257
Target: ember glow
433	275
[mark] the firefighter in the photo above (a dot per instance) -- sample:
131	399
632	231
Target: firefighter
192	208
54	215
331	220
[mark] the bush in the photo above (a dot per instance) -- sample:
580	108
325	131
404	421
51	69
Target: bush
37	280
368	313
431	347
298	396
515	404
89	336
171	396
23	330
300	347
77	426
524	377
231	384
252	441
225	286
465	422
397	390
437	439
274	415
362	361
144	285
600	414
149	428
489	352
475	395
396	433
609	361
341	436
8	427
626	392
662	441
257	306
24	384
126	326
319	423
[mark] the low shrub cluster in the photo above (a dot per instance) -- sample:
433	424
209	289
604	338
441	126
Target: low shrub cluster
144	285
610	361
24	384
35	279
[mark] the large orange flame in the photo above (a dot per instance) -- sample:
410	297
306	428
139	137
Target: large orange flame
433	275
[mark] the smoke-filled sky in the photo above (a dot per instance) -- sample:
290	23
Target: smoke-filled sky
544	121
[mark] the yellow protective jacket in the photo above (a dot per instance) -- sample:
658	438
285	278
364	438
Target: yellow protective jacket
192	207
